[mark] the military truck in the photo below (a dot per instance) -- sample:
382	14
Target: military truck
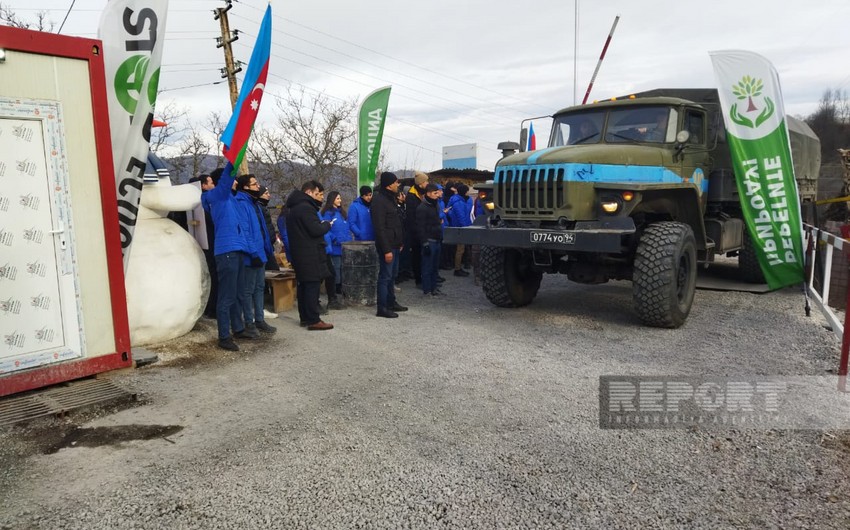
638	188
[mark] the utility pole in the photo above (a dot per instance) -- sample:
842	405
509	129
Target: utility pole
231	67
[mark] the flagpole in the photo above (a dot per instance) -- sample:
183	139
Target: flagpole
575	52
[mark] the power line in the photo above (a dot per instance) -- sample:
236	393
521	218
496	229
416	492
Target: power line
191	86
418	79
455	102
529	101
66	16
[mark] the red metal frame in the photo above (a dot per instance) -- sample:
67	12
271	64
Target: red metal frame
89	50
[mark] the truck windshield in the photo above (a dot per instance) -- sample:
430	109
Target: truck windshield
642	124
578	128
652	124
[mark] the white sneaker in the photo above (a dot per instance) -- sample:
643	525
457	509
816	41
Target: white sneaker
268	314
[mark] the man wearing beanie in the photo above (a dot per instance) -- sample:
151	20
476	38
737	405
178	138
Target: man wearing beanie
412	202
430	227
388	242
359	218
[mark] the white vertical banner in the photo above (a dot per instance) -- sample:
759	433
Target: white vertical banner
133	35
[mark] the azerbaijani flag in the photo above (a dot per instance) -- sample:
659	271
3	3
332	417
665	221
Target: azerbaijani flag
238	130
532	138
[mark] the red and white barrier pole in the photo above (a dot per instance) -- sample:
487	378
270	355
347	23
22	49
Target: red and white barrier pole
601	57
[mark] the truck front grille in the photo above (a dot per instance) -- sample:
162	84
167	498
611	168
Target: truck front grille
529	191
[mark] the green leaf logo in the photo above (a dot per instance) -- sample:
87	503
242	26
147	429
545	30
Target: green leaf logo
748	88
129	80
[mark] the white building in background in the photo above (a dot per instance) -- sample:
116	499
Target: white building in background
460	156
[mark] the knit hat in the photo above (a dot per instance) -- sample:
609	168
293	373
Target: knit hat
387	179
365	190
419	178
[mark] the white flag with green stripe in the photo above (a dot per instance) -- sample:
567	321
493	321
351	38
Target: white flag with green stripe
757	134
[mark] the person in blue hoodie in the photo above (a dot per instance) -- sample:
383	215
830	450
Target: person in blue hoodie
281	229
359	217
460	208
231	251
340	233
259	242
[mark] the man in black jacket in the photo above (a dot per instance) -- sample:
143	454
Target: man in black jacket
411	203
307	250
388	242
430	234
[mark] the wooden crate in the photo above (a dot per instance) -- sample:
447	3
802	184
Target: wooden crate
283	289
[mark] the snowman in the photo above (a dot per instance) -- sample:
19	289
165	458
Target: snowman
167	280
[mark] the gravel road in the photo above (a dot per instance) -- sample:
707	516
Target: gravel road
457	414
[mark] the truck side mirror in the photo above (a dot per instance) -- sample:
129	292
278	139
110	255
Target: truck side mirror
523	139
681	139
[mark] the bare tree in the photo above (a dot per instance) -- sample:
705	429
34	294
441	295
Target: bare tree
270	161
194	150
317	131
41	23
175	118
215	125
831	122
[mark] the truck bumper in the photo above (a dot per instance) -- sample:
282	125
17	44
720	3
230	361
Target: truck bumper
590	236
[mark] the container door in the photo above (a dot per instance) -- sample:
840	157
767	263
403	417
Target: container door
40	320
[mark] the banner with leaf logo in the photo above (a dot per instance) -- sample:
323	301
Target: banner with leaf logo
370	130
133	34
757	134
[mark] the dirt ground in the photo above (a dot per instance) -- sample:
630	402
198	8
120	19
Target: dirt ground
457	414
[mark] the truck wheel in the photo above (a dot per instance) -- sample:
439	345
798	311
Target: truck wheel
508	277
748	263
665	273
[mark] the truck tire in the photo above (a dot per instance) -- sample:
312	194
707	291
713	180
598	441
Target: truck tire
507	277
665	272
748	263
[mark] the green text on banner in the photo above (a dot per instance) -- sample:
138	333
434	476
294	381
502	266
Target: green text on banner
370	129
757	133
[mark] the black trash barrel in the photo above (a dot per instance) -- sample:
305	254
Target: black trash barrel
359	272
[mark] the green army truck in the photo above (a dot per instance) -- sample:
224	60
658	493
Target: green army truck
639	188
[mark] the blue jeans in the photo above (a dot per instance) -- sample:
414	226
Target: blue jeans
386	281
230	267
430	266
337	263
252	296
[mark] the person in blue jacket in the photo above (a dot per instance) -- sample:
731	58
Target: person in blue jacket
281	229
340	232
231	251
360	218
259	242
460	208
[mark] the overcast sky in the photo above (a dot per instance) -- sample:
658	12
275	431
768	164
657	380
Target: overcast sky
468	71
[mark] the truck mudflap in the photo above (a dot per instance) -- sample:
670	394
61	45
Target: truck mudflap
586	236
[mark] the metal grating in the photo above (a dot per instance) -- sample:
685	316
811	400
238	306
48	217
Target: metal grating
59	400
530	189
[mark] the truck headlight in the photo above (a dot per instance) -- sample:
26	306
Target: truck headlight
610	206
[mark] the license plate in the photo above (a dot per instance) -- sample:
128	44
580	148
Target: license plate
557	238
